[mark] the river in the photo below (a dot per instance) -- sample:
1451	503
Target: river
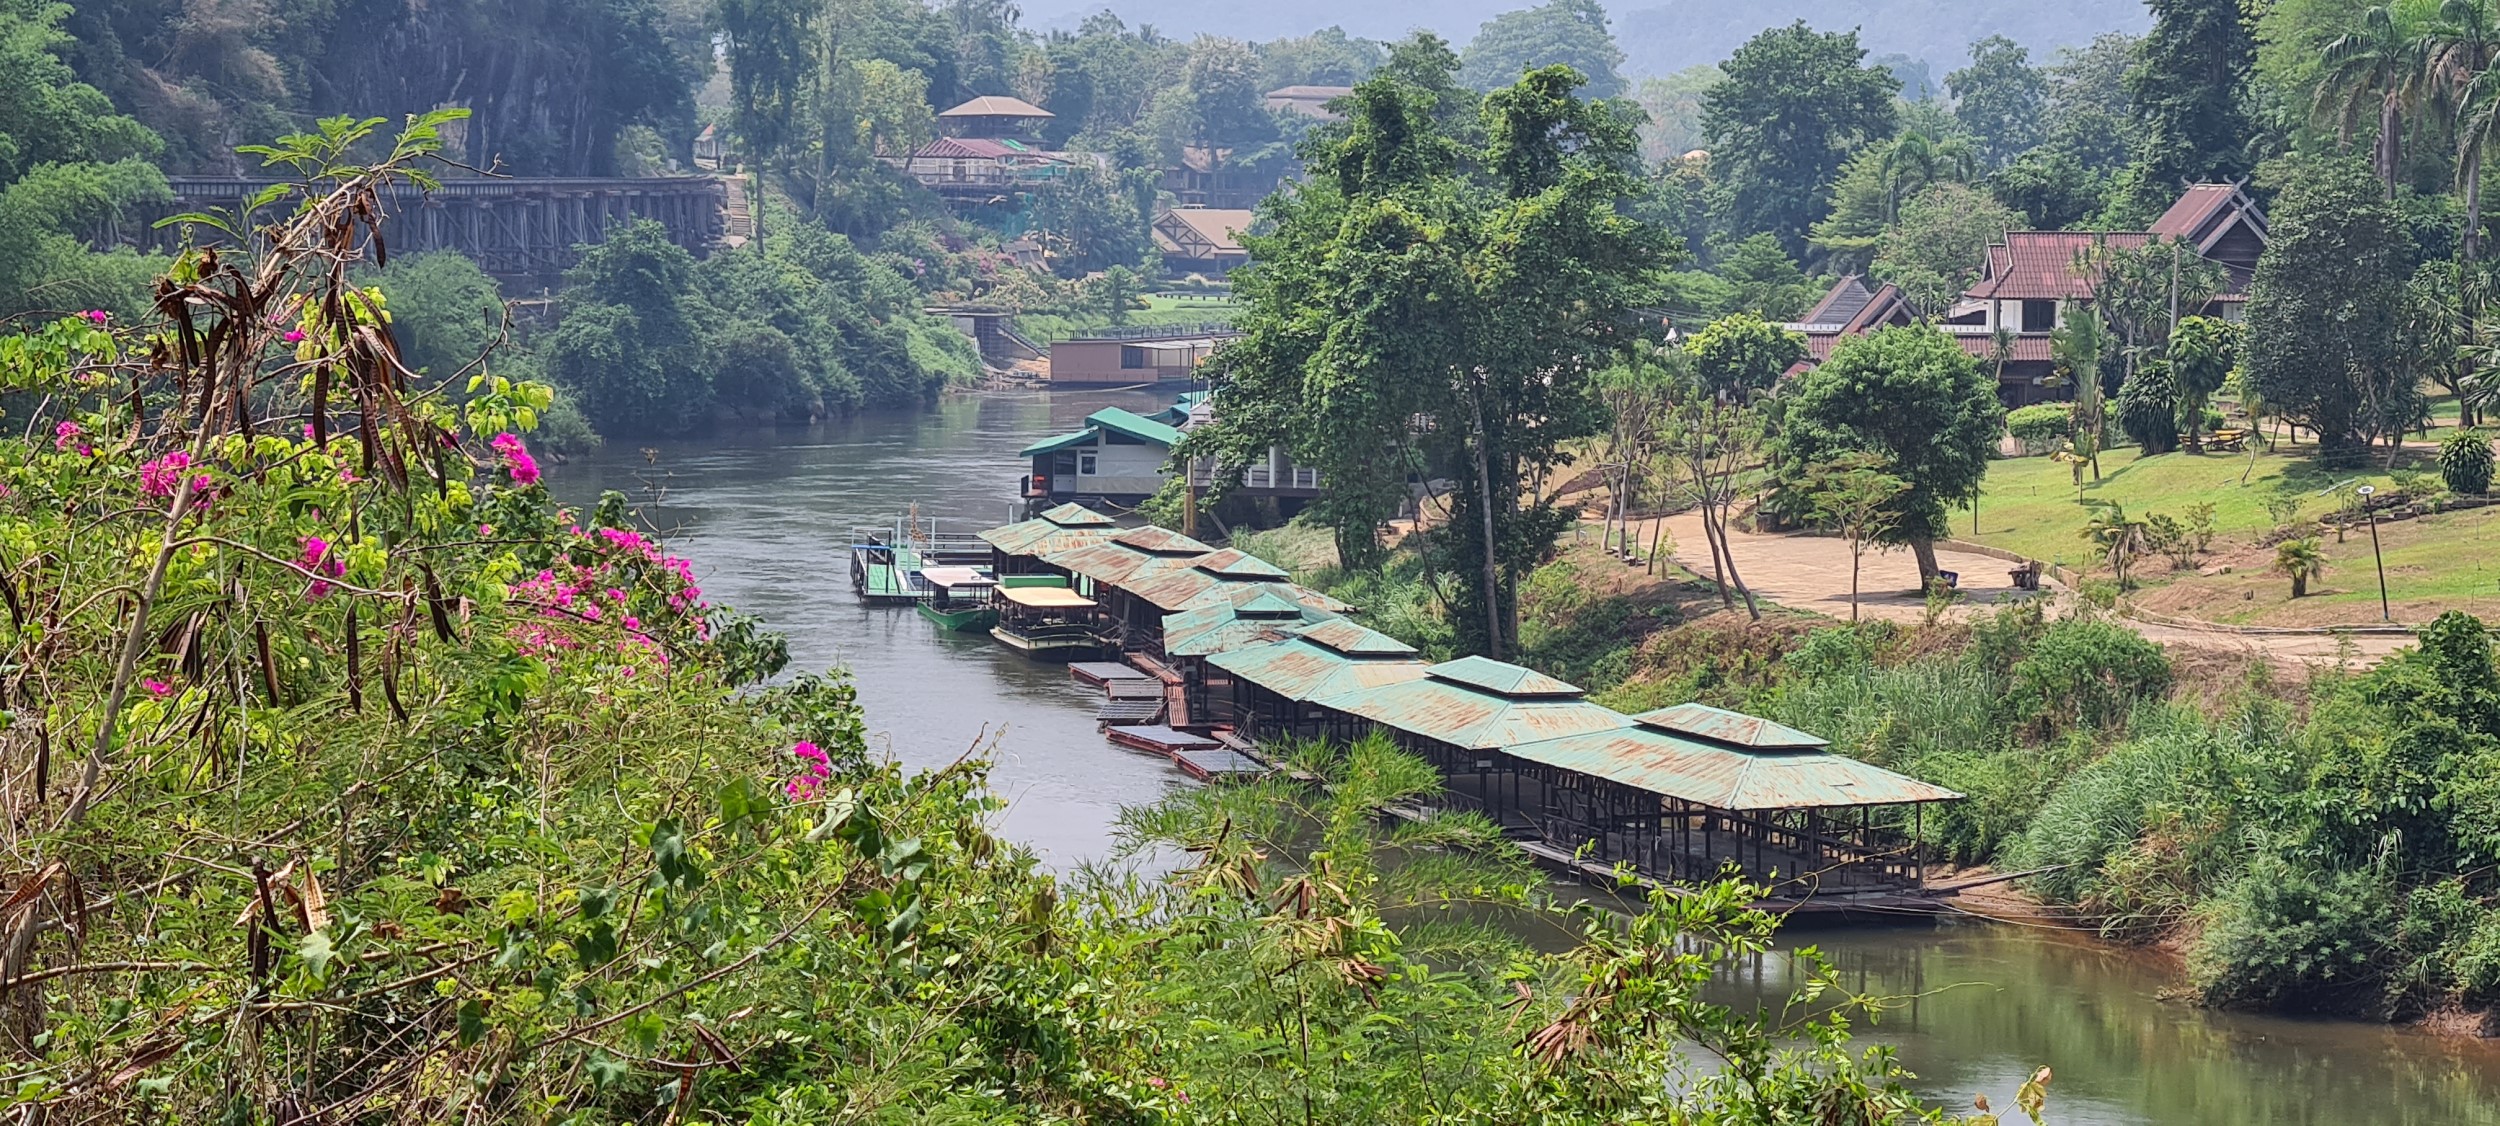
764	513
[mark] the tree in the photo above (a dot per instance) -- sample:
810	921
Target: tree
2078	347
2458	52
2001	98
2049	188
2148	407
69	165
2377	69
1935	251
1327	57
1765	281
1913	397
1741	356
2091	115
2118	537
1402	283
1711	442
2203	350
1095	219
1569	33
625	340
1795	105
2465	462
2189	93
1856	497
2300	561
2324	306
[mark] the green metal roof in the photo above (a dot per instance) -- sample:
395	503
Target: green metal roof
1083	437
1474	718
1112	562
1726	777
1134	425
1506	680
1258	616
1735	729
1296	668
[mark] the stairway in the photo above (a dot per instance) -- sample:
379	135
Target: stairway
738	226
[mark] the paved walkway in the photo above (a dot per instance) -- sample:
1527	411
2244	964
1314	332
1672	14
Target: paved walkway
1812	573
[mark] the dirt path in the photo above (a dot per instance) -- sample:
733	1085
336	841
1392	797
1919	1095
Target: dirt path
1812	573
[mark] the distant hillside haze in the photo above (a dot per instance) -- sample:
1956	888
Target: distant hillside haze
1657	37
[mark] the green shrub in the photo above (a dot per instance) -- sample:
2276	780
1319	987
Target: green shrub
2086	672
2465	462
2289	936
2040	423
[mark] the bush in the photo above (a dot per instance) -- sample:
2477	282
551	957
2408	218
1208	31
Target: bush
2085	672
2286	935
2040	423
2465	462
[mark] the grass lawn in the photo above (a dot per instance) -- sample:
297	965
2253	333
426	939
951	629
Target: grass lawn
2448	561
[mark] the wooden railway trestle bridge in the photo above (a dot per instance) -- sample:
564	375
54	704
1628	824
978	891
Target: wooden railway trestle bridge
516	229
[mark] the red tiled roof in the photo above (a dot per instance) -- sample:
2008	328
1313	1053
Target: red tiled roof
2196	209
2041	264
2028	348
968	148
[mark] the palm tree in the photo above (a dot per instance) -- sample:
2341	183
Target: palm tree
2300	561
1914	162
2457	54
2377	63
2116	536
2077	347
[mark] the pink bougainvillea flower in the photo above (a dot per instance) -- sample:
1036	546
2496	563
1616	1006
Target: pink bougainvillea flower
157	688
97	316
158	478
319	559
66	435
802	788
294	336
516	458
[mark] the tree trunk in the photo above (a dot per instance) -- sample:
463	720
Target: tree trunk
1923	548
2300	586
1857	552
1492	557
2473	203
1718	563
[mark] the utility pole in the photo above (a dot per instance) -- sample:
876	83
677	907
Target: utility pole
2365	492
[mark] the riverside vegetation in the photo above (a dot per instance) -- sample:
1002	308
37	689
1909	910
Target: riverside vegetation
2319	845
351	779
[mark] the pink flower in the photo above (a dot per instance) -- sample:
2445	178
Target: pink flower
319	559
66	435
157	688
97	316
348	476
802	788
516	459
294	336
818	767
158	478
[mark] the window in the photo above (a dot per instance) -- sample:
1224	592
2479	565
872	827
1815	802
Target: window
1085	465
2038	315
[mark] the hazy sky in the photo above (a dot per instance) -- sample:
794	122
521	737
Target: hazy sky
1658	36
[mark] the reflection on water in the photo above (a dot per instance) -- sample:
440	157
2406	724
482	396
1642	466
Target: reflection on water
1981	1005
764	513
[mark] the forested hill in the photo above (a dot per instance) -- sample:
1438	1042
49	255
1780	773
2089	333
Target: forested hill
1657	36
546	99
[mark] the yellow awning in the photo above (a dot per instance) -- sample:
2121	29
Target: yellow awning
1047	598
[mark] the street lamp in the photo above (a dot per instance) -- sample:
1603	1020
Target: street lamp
2365	492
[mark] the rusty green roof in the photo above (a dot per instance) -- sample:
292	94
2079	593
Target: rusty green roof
1723	776
1502	679
1734	729
1061	528
1233	623
1356	641
1231	563
1116	563
1161	541
1297	668
1475	718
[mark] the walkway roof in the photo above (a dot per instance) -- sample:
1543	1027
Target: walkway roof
1155	540
1046	597
1480	704
1297	667
1735	729
1116	563
1725	776
1236	622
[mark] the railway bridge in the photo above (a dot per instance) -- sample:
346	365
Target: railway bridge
520	230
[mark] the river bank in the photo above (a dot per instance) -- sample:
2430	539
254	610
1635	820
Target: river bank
762	513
